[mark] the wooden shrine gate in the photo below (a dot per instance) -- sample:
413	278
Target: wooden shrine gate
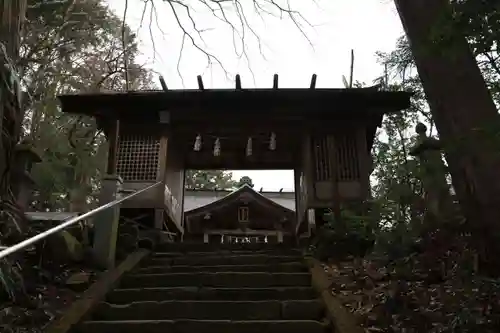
324	135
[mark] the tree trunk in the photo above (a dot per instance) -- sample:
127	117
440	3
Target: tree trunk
462	109
12	14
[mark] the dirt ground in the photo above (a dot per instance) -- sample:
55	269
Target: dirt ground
413	297
45	302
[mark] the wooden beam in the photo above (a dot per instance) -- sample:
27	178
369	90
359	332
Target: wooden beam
313	81
163	84
200	82
238	82
249	128
275	81
238	161
253	127
248	232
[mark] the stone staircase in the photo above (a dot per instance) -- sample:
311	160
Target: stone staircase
200	288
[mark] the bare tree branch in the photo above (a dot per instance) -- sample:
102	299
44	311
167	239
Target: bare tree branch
210	57
233	15
124	44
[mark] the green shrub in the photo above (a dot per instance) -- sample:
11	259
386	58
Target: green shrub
352	236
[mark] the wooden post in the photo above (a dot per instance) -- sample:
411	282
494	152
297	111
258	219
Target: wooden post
298	202
200	82
113	139
364	162
332	155
313	81
238	82
106	223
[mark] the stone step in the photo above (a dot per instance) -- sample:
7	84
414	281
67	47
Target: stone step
290	267
201	247
124	296
210	310
204	326
225	279
251	259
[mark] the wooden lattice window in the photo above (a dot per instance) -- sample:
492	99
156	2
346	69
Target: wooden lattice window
322	169
347	157
138	158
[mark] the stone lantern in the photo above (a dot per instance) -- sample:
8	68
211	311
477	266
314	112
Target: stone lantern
22	182
433	174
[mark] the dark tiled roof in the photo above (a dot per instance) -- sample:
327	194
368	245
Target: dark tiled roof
194	199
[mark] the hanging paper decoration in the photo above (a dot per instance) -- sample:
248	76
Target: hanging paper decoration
217	147
197	143
272	142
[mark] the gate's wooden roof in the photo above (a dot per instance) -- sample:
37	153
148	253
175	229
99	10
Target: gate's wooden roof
236	114
147	104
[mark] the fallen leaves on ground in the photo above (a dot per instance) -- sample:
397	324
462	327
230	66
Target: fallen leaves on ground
427	291
45	302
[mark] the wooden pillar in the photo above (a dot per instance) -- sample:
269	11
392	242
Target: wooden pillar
304	180
113	139
172	174
333	162
106	224
364	162
298	200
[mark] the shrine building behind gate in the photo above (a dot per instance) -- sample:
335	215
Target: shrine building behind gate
242	215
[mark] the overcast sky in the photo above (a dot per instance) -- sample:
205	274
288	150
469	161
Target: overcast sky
367	26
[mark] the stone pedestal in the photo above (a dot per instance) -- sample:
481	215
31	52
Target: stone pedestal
205	238
106	223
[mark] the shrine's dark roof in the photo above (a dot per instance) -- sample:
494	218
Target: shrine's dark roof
235	100
194	199
234	196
